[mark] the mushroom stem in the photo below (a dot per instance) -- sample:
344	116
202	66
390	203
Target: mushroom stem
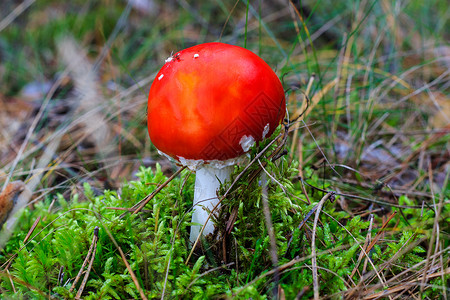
207	181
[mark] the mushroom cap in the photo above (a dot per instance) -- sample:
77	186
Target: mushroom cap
212	101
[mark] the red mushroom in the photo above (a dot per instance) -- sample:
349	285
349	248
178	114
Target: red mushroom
207	106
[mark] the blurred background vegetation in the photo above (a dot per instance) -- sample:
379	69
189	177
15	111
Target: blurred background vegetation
366	82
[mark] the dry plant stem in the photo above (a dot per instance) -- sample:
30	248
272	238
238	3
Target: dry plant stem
320	149
33	227
377	236
270	230
300	170
365	247
25	240
313	246
398	277
383	281
228	18
11	281
141	204
302	223
91	262
369	239
166	276
405	286
370	276
9	261
363	198
33	126
92	249
435	230
301	115
15	13
122	255
302	109
441	259
24	283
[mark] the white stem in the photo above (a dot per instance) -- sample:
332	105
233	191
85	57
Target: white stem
207	182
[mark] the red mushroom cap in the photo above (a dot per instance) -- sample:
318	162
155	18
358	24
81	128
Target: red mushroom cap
208	102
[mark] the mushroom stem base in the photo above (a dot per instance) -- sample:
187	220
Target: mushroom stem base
207	181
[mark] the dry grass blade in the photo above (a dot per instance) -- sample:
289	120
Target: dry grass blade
21	282
381	231
270	230
406	285
302	223
300	115
302	109
32	127
33	227
434	232
10	260
141	204
313	244
366	244
11	281
133	276
15	13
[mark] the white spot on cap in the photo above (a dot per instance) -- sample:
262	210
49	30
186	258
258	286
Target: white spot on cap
196	55
160	76
246	142
266	130
169	59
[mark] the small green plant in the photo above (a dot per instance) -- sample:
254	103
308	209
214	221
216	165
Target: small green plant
156	246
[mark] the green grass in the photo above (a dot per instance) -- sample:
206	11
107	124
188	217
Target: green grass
376	141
